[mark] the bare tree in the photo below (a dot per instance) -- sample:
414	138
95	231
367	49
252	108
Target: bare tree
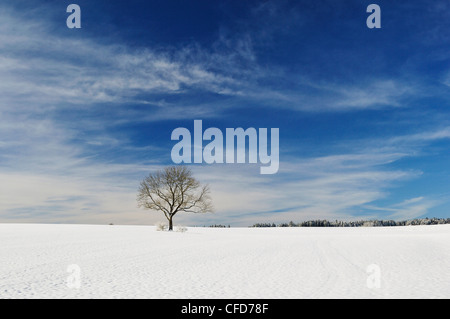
172	190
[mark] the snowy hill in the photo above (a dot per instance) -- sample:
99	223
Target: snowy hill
87	261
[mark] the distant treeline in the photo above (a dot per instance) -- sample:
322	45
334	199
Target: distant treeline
361	223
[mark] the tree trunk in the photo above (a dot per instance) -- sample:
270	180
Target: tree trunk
170	224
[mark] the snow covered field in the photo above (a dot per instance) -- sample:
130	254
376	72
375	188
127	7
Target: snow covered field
140	262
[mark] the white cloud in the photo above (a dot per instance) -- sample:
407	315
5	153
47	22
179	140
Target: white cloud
377	94
332	187
48	177
40	68
82	190
407	209
424	137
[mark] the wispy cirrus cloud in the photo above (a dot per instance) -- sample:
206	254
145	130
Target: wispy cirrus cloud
83	71
429	136
407	209
58	186
342	186
61	97
334	187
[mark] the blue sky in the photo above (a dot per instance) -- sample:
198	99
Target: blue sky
363	113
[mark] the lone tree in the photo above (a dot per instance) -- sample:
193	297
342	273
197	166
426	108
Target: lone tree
172	190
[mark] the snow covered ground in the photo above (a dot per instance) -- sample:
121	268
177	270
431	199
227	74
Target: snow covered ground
42	261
